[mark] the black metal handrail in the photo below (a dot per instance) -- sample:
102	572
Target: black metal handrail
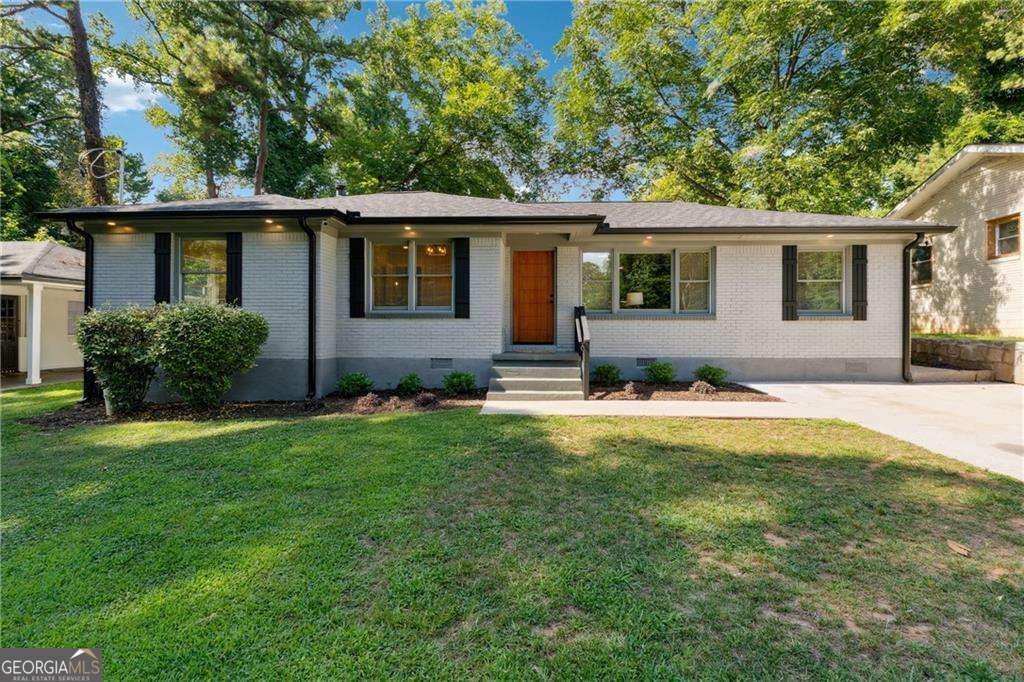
583	346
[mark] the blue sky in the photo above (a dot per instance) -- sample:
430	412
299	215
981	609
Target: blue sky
540	22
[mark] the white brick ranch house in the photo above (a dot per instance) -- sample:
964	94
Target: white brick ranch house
423	282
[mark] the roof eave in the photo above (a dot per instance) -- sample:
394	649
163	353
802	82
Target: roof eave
76	215
929	228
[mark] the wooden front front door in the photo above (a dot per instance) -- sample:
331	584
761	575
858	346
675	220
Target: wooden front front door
8	334
533	297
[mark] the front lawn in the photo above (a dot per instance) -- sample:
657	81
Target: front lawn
450	544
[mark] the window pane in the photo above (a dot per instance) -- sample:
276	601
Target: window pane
819	296
204	255
1010	228
645	281
597	281
390	259
922	265
434	292
433	259
208	287
390	292
1008	237
819	265
693	266
693	296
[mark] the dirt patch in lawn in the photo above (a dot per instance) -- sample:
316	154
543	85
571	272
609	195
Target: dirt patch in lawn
79	413
677	391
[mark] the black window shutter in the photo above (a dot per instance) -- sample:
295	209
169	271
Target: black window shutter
460	248
860	282
162	251
789	282
234	253
356	277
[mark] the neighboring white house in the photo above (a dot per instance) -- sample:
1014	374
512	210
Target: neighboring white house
971	280
41	299
392	283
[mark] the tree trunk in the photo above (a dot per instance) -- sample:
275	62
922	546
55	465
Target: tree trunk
211	183
89	102
262	148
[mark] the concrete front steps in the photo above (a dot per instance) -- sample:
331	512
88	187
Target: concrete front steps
535	376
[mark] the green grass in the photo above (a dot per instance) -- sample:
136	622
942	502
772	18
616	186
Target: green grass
969	337
456	545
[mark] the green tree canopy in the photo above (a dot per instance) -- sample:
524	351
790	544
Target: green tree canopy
449	98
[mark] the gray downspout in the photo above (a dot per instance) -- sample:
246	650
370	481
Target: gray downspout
311	328
907	376
90	389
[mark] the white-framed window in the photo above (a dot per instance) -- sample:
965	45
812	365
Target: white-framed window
646	280
411	275
75	311
819	281
204	269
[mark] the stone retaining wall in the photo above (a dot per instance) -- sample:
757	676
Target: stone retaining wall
1005	358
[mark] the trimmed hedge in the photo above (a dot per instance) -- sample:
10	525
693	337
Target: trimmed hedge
117	344
711	374
354	384
409	385
459	383
606	375
660	373
201	346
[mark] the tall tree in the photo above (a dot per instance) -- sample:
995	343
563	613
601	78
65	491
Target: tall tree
798	105
449	98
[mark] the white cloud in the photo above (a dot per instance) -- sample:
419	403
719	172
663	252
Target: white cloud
121	94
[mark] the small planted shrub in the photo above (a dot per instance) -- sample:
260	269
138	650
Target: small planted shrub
118	345
459	383
711	374
409	385
703	388
425	399
354	384
606	375
660	373
201	346
368	403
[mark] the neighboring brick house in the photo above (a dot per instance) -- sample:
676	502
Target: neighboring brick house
426	282
971	280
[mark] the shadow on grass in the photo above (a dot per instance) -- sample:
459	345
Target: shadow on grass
452	544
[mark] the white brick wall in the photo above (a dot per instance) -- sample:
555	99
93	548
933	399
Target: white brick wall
124	270
274	284
748	320
476	337
969	292
327	296
567	296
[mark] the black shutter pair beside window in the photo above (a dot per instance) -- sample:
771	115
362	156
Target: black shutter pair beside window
859	286
162	269
357	276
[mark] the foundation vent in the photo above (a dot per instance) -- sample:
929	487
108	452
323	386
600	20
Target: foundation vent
645	362
440	363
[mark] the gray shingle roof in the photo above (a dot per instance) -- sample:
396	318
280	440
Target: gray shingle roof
655	216
621	216
43	260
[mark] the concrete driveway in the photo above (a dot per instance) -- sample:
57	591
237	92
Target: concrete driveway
981	424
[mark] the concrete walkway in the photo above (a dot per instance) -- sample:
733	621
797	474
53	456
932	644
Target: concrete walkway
981	424
11	382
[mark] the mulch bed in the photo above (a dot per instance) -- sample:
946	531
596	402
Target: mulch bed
79	414
679	391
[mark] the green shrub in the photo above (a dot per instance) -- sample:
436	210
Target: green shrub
117	344
459	383
606	375
354	384
201	346
711	374
660	373
410	384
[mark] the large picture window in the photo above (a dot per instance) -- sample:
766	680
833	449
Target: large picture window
675	281
819	281
411	275
204	270
597	280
